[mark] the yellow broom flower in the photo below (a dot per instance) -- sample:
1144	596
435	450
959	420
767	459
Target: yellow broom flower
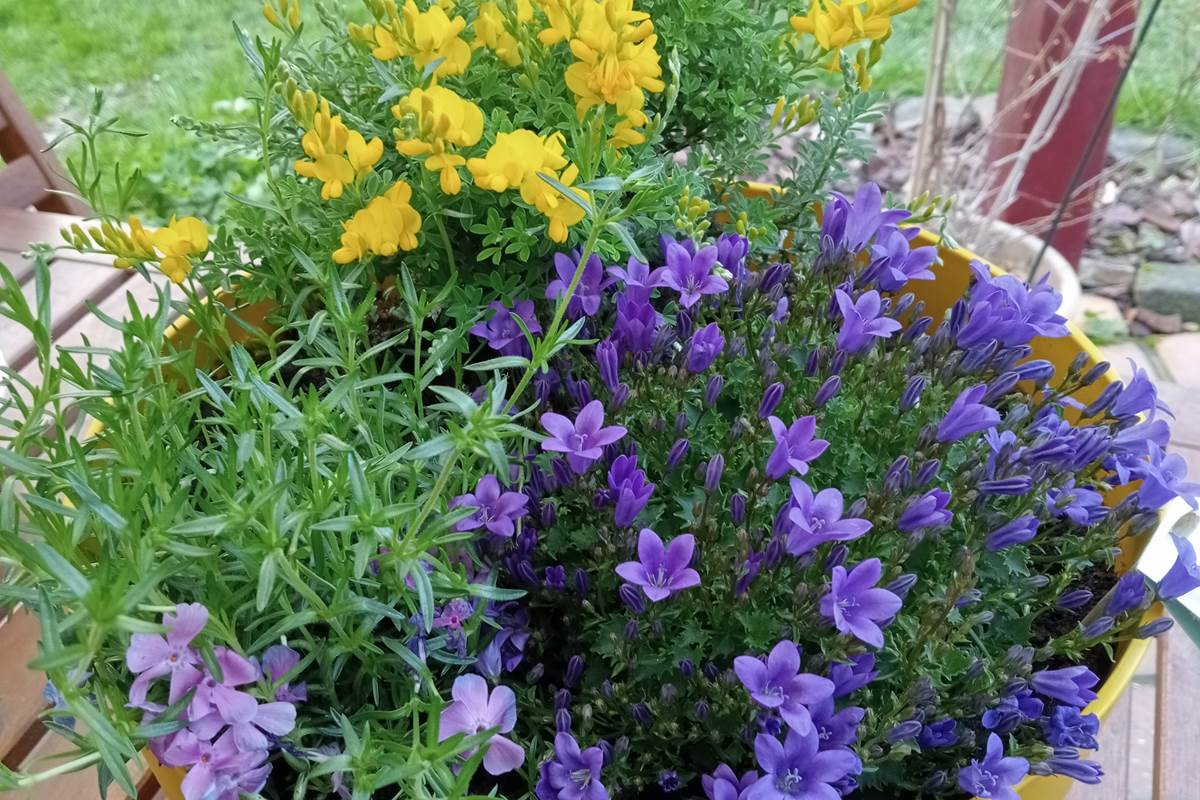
389	223
338	155
178	242
514	157
491	31
443	121
560	212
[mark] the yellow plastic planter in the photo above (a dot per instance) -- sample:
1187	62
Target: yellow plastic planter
953	278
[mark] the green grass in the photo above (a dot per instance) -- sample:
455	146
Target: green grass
1161	93
159	58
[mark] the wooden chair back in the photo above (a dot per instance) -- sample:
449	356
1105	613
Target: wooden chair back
29	174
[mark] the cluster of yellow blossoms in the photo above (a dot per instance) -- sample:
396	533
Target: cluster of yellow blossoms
340	156
424	36
172	247
515	161
441	121
492	31
388	223
840	23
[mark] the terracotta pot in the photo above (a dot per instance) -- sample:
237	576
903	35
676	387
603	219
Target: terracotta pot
953	277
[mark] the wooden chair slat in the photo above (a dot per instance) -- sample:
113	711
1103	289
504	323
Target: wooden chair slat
72	284
20	688
20	267
81	785
22	183
20	137
19	227
1177	732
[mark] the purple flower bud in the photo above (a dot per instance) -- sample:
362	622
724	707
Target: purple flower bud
712	671
927	472
1039	371
1000	387
936	781
774	553
737	509
713	390
897	477
982	618
902	585
549	515
837	556
609	362
632	597
828	389
620	397
774	276
562	472
536	673
969	597
562	699
702	710
580	391
1101	404
667	693
581	582
574	670
607	690
812	364
1035	582
706	344
562	721
1074	599
712	474
857	508
683	323
770	400
912	392
1156	628
555	578
905	730
1095	373
526	574
838	362
668	781
621	749
631	630
641	714
1097	627
917	329
1007	487
677	453
686	668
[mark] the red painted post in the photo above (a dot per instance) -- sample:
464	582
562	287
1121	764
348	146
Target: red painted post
1041	33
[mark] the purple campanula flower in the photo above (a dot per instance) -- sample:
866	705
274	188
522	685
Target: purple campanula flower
780	314
1097	627
475	710
1081	505
1163	479
692	275
862	321
609	360
724	784
770	400
912	392
797	769
502	332
849	678
1071	686
1077	598
895	262
638	278
1184	574
151	656
586	298
817	518
995	775
967	415
277	662
1003	308
1139	396
779	684
713	473
748	572
835	728
496	511
677	453
939	733
856	606
636	325
848	226
661	570
828	389
731	252
1039	371
629	489
572	774
1066	762
582	440
737	509
794	446
1128	595
668	781
707	343
1017	531
555	577
927	512
1067	727
902	585
904	730
1011	711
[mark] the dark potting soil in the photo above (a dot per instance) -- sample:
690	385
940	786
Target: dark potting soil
1057	621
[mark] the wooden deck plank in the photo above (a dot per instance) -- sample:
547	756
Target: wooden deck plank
71	786
20	688
1177	734
18	228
